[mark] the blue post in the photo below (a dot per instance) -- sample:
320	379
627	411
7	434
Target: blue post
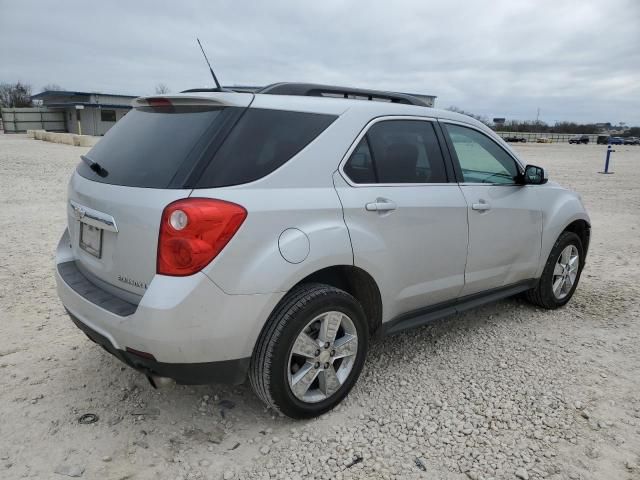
606	162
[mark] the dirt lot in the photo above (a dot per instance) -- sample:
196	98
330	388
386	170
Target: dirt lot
506	391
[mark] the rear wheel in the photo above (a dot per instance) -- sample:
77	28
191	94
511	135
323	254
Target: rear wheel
561	273
311	351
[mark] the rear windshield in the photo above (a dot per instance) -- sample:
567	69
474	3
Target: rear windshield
148	147
203	148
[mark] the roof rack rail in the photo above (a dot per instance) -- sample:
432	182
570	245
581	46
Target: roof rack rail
317	90
225	88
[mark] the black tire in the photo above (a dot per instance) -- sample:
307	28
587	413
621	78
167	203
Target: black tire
542	294
268	370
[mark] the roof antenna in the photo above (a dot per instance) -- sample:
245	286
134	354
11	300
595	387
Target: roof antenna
210	69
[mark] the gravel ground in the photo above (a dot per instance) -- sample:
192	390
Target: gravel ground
506	391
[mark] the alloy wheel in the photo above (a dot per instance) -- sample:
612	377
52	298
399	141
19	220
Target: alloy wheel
565	272
322	357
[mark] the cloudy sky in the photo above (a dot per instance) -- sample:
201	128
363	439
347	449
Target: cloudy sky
574	60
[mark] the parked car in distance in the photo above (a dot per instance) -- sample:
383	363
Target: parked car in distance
543	140
577	139
616	141
515	139
603	139
632	141
217	235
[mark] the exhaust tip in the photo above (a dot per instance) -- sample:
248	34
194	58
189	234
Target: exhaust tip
160	382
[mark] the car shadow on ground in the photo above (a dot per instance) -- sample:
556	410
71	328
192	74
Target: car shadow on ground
127	392
119	394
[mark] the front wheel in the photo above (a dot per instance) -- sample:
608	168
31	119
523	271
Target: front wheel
311	352
561	273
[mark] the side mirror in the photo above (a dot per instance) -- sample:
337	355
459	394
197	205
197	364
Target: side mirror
534	175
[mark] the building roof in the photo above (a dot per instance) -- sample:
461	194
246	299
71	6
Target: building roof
68	93
87	104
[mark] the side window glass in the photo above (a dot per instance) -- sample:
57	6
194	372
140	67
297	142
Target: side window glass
262	141
359	167
406	151
480	158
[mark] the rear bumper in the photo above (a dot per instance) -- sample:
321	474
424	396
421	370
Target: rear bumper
231	372
193	329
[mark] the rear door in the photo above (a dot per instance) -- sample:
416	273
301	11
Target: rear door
119	191
407	222
505	220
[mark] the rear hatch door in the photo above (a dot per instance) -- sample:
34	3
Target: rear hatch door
146	161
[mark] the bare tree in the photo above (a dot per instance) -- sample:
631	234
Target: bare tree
15	95
53	87
162	88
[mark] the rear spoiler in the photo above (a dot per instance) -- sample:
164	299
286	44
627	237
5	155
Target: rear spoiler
208	99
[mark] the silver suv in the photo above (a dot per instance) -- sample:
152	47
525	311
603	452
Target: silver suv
218	235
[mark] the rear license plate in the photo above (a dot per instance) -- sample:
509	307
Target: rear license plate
91	239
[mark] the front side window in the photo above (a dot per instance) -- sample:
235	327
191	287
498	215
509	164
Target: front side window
398	151
480	158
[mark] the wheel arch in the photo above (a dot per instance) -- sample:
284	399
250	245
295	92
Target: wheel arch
562	210
578	224
356	282
582	228
353	280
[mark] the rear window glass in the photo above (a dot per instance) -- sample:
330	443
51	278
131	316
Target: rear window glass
261	141
147	147
360	167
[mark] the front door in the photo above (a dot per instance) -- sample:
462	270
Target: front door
407	222
505	220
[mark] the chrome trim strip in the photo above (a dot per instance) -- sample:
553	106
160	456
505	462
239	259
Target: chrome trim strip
93	217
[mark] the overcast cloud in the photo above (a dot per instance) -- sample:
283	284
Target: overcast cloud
575	61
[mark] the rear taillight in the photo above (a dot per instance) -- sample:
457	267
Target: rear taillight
193	232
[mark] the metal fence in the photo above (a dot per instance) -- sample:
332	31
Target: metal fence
552	137
16	120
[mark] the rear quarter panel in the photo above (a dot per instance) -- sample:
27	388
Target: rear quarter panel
298	195
252	262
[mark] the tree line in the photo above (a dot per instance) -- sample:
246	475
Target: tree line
543	127
15	95
536	126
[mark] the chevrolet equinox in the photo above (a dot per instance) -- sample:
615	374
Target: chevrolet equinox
216	235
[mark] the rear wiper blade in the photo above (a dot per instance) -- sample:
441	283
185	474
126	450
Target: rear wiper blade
95	166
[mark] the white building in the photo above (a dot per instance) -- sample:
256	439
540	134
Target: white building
88	113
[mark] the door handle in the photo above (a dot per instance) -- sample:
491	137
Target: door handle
381	205
481	206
